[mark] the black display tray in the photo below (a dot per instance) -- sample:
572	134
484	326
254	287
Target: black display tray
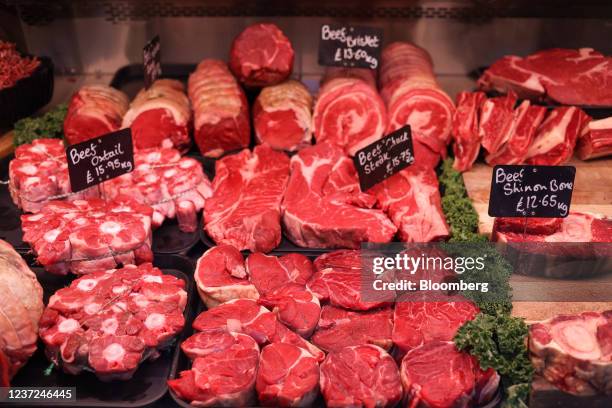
149	382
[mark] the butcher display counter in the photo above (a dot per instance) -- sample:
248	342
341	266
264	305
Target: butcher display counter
306	203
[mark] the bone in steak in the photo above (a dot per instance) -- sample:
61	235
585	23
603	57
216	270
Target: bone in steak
94	110
83	236
437	375
338	214
574	352
221	110
223	370
595	140
261	55
556	137
160	116
282	116
287	376
220	276
359	376
349	114
465	129
244	210
496	118
110	321
21	305
339	328
566	76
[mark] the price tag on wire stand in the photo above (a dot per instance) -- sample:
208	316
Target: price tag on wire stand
350	46
151	58
531	191
383	158
100	159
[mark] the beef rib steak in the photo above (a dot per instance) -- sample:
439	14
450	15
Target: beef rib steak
595	140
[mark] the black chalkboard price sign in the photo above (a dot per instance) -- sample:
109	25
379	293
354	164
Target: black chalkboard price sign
151	57
100	159
383	158
531	191
350	46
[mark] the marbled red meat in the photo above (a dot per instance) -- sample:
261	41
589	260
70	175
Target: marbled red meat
595	140
465	129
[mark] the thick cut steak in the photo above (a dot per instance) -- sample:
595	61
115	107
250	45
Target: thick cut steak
268	272
595	140
360	376
223	370
569	77
465	129
337	213
574	352
94	110
221	110
160	116
261	55
339	328
244	210
288	376
496	118
282	116
437	375
220	276
110	321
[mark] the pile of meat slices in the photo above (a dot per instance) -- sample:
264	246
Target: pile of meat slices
282	329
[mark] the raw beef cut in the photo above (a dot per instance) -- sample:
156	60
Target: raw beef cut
595	140
365	74
413	97
94	110
221	110
339	279
411	198
21	305
174	186
268	273
160	116
566	76
436	374
39	173
223	370
248	317
465	129
525	122
496	116
416	323
244	210
339	328
556	137
348	114
282	116
287	376
221	276
574	352
110	321
360	376
84	236
337	214
261	55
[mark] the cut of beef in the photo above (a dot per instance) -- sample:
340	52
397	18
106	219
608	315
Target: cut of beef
223	370
94	111
556	137
595	140
338	214
437	375
221	110
360	376
465	129
496	119
244	210
348	114
83	236
288	376
221	276
160	116
268	273
110	321
569	77
339	328
261	55
295	306
574	352
282	116
365	74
